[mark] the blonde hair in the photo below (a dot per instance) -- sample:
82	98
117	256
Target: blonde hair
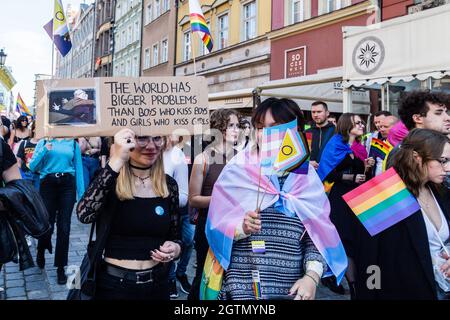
125	181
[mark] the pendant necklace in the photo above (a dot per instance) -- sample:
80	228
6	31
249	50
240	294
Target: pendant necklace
141	178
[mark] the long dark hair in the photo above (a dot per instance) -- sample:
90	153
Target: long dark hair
345	124
283	111
429	145
19	123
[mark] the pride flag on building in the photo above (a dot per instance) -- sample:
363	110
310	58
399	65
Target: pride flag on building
21	107
382	202
58	30
198	24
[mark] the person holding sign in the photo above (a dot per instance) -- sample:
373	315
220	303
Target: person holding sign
136	208
413	255
273	239
58	162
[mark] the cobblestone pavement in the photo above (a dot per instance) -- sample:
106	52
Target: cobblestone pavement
37	284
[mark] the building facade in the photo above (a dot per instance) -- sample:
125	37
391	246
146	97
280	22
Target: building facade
104	40
240	59
158	39
7	82
83	43
127	38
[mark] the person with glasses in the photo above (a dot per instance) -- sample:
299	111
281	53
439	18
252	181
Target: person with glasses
413	254
345	165
136	210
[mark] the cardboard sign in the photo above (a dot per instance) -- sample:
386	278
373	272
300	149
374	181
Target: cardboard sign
150	106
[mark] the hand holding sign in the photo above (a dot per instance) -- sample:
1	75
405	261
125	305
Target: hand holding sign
123	144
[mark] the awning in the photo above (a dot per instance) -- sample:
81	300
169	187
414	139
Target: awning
236	99
325	86
415	46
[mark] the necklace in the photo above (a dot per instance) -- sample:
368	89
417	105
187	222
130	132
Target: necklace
141	178
139	168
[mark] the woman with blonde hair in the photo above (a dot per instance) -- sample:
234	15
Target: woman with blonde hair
135	205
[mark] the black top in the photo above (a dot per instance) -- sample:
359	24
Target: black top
138	226
320	138
127	221
7	123
25	153
7	158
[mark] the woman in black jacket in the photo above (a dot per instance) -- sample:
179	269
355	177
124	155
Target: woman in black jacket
409	258
135	206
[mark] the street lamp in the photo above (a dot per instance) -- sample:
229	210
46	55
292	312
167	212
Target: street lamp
2	57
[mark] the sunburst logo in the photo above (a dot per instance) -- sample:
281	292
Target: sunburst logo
368	55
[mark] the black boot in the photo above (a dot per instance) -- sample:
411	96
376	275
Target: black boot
62	278
40	258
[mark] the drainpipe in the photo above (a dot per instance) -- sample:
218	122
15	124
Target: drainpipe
176	38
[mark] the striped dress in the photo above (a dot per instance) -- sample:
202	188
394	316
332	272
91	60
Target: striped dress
282	264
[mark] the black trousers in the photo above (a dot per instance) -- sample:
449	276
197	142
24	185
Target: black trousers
59	195
201	248
113	288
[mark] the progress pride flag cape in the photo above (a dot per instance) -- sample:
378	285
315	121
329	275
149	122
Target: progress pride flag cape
235	193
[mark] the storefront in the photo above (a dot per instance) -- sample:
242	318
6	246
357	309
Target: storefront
403	54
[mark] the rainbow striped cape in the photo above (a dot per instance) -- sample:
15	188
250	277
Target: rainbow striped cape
235	193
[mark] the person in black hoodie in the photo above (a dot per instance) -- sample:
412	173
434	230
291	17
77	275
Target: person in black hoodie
320	132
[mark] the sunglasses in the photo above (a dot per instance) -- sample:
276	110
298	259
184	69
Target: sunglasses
142	142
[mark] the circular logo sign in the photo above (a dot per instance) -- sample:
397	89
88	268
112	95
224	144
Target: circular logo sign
368	55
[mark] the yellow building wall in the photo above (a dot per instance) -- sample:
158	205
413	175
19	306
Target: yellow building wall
235	11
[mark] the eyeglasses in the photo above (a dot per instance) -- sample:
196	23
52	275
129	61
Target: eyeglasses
443	161
359	123
144	141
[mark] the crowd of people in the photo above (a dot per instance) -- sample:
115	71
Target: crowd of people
151	201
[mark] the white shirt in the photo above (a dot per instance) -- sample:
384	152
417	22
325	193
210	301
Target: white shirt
436	246
176	167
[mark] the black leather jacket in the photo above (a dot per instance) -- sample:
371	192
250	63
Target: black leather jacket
25	214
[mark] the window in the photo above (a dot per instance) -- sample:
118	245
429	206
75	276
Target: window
223	31
130	35
202	49
298	11
149	13
124	39
250	20
122	69
187	46
165	5
135	67
137	31
157	10
147	58
155	55
128	71
327	6
164	51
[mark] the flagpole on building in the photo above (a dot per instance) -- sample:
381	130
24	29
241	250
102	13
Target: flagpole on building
193	53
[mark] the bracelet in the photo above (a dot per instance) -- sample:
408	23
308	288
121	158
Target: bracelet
317	284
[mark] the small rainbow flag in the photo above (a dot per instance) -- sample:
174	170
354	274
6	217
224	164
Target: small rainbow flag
21	107
309	139
198	23
379	149
382	202
256	284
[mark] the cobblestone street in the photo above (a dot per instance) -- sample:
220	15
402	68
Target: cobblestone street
37	284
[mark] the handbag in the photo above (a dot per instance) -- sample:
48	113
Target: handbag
86	273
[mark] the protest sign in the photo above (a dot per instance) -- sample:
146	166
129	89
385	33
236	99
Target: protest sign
102	106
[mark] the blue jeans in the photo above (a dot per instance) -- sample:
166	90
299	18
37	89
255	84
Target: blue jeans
90	166
187	236
33	177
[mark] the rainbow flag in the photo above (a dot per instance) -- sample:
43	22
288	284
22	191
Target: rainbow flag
379	149
21	107
211	278
198	24
382	202
309	139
